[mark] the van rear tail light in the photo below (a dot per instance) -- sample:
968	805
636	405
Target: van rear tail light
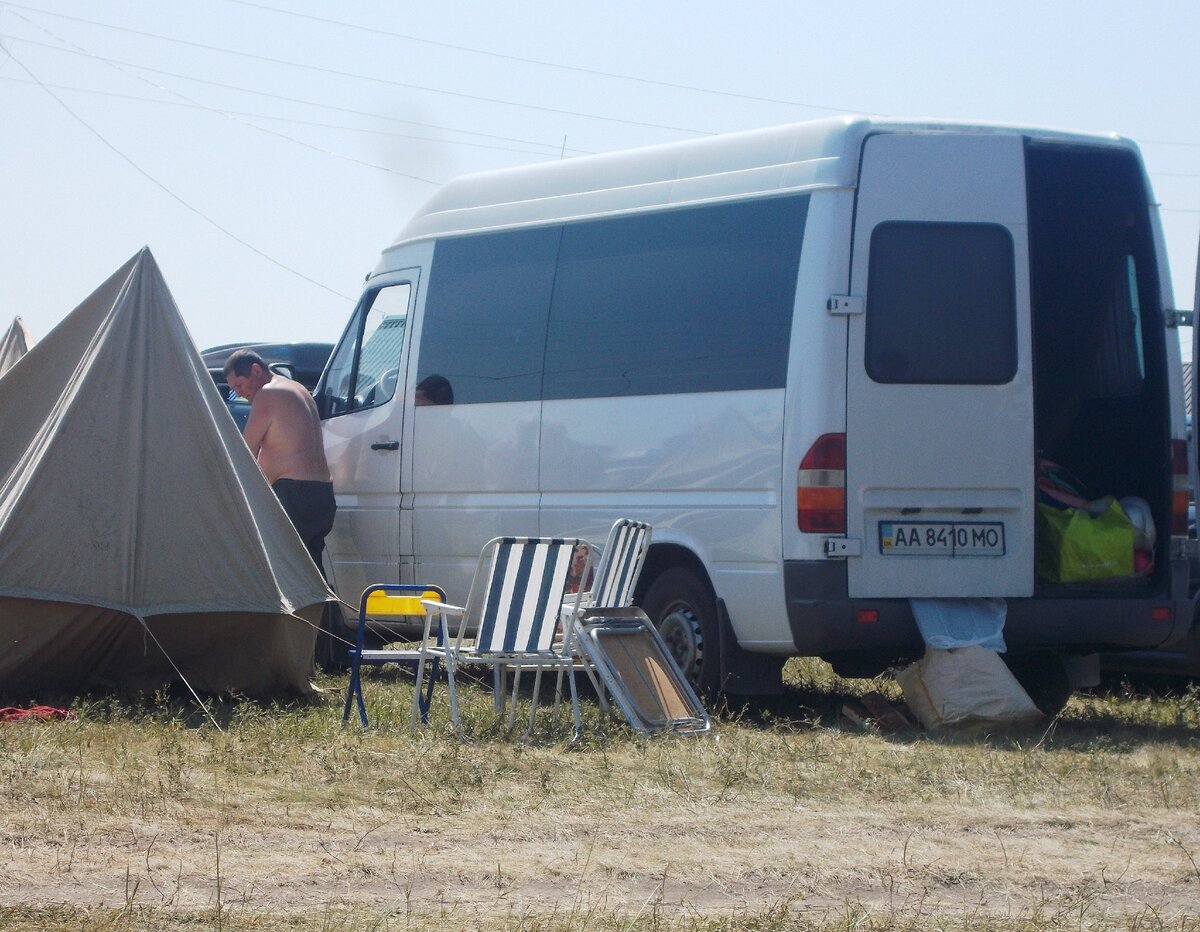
1180	488
821	487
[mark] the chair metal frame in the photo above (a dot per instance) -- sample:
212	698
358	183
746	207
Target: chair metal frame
412	601
616	577
646	689
518	598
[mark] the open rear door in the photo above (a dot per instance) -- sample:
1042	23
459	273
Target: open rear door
939	432
1193	445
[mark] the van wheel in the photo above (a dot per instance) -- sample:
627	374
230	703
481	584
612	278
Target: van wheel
685	613
1044	678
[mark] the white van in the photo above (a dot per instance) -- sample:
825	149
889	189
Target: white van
820	359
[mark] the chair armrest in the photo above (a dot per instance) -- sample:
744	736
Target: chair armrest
441	610
431	605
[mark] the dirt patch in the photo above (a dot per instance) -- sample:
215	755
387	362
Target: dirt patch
693	859
286	813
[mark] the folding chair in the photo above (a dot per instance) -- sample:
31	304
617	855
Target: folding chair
616	577
517	597
620	565
388	602
636	666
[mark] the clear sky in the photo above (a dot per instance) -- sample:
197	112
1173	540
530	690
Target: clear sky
267	151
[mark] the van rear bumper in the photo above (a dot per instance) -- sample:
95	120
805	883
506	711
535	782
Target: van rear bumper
825	620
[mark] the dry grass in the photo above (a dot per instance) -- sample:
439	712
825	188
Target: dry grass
141	815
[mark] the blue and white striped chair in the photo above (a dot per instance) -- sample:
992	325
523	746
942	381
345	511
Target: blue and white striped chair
620	565
520	590
615	580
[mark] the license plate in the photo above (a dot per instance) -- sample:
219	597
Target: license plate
942	538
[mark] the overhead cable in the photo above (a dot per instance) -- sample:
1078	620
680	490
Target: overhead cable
227	114
595	72
162	187
549	146
312	123
367	77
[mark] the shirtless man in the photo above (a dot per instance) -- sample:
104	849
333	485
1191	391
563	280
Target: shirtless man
284	434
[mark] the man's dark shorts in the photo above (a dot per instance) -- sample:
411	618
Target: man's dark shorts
311	507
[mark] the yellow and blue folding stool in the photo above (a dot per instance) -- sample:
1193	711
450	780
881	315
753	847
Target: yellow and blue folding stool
388	602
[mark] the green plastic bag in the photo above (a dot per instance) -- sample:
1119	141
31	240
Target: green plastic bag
1074	546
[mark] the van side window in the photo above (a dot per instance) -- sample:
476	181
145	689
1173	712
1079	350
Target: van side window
691	300
941	304
484	327
365	367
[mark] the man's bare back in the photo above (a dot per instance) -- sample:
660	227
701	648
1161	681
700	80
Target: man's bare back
283	431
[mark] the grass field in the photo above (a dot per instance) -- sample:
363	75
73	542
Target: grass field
143	815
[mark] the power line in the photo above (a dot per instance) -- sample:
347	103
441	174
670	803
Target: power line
477	51
489	53
1163	142
116	63
341	126
544	64
162	187
230	116
479	98
552	148
268	116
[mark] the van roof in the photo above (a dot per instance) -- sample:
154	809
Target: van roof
757	163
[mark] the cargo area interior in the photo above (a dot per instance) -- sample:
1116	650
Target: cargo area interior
1100	376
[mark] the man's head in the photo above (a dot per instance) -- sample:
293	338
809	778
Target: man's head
246	372
434	390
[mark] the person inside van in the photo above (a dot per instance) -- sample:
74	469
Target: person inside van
284	434
434	390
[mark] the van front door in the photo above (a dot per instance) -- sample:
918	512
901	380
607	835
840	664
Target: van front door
362	417
939	420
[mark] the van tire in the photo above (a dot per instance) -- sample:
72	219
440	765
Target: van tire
1044	678
684	611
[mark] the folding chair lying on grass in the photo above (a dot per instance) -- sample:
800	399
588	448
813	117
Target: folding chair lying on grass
388	602
637	668
517	597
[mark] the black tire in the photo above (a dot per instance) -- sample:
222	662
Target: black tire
330	654
1044	678
684	610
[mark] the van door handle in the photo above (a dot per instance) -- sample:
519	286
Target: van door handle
386	445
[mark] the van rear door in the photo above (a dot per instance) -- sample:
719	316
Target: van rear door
939	420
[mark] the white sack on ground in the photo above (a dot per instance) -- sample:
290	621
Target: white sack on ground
13	345
965	688
127	493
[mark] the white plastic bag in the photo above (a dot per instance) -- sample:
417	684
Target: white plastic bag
946	623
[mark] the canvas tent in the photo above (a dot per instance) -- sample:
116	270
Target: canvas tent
13	345
139	542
